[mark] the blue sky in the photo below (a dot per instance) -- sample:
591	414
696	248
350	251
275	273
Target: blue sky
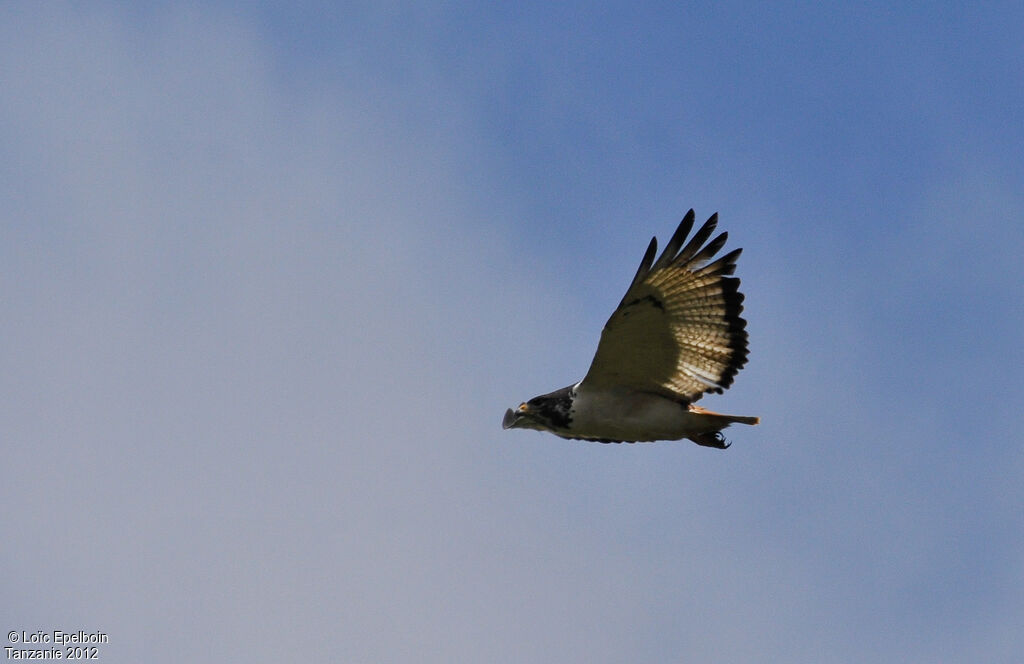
271	275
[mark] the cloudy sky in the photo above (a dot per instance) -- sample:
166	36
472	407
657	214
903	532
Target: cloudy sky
270	276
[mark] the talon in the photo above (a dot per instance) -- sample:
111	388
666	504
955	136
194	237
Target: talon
716	440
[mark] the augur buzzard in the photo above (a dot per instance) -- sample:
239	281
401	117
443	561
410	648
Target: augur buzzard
676	334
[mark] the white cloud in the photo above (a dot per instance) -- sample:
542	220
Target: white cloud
251	362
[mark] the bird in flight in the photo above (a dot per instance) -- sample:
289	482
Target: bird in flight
676	334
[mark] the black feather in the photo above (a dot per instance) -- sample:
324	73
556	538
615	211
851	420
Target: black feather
708	252
698	239
672	248
645	264
553	407
724	265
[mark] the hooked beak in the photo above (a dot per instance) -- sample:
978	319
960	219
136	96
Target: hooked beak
512	417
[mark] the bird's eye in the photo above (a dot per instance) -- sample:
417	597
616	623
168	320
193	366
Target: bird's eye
522	406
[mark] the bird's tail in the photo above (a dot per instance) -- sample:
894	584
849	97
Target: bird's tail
742	419
726	420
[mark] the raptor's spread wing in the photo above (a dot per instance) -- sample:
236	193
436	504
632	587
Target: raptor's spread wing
678	330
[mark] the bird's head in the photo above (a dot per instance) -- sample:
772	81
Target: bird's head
548	412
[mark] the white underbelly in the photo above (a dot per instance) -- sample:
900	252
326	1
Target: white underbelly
630	416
